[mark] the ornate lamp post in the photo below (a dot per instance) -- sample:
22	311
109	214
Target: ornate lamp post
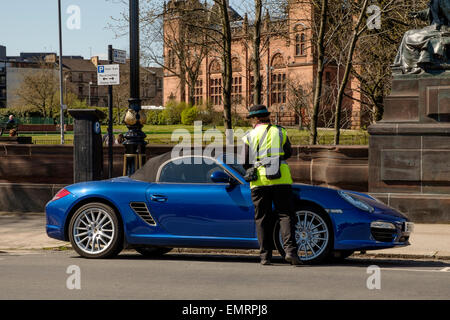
134	118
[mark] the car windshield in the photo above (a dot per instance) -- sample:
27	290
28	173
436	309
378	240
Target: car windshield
233	161
188	170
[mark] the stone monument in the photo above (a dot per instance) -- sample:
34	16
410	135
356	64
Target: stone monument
409	149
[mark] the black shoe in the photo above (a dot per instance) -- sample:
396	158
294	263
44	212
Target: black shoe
266	262
294	260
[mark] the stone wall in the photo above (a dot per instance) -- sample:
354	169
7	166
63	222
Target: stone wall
31	174
340	167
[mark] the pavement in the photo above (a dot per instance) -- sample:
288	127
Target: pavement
26	231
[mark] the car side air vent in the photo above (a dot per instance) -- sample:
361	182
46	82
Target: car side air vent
140	208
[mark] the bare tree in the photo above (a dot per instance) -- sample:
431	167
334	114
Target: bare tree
299	100
170	39
39	89
320	50
257	90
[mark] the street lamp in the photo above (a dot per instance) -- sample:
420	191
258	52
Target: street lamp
61	95
65	86
135	118
90	84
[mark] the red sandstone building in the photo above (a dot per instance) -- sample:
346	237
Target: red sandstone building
287	61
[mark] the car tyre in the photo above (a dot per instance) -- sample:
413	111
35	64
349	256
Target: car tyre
152	252
95	231
318	234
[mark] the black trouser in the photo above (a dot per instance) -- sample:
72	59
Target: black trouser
265	218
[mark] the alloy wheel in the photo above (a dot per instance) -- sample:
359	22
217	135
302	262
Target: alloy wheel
93	230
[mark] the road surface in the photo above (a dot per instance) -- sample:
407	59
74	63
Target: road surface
39	274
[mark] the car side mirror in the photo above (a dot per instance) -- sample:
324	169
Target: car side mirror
221	177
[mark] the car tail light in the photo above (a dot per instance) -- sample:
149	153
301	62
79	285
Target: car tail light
61	194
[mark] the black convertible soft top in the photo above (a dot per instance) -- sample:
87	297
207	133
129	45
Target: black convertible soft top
150	169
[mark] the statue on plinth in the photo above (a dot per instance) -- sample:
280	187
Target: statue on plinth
427	49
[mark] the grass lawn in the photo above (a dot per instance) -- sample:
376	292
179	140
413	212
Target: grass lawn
162	135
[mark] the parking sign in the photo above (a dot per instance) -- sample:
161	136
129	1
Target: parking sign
108	75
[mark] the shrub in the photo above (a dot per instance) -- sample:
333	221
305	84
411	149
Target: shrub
209	116
189	115
172	112
155	117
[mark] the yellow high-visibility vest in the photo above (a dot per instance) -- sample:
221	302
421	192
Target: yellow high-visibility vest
272	146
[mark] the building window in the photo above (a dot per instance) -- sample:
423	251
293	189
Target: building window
300	44
198	92
252	88
278	88
236	65
171	59
215	67
215	91
81	90
236	90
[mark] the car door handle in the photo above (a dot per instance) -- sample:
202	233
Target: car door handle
158	198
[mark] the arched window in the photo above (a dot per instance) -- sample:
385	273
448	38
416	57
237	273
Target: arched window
215	67
278	61
300	44
236	64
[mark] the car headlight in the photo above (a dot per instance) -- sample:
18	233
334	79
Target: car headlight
355	201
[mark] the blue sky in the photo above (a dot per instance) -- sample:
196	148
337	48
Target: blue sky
32	26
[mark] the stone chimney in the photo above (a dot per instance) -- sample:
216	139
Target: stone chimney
94	61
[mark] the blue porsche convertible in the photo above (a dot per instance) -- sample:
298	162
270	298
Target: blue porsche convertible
204	202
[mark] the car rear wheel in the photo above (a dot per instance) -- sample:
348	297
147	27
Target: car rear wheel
313	234
152	252
95	231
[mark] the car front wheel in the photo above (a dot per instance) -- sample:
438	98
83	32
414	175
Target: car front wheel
95	231
313	234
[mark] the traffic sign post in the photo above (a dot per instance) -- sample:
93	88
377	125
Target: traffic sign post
109	75
119	56
111	118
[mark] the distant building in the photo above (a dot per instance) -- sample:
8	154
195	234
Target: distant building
79	76
2	77
3	84
2	53
288	57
